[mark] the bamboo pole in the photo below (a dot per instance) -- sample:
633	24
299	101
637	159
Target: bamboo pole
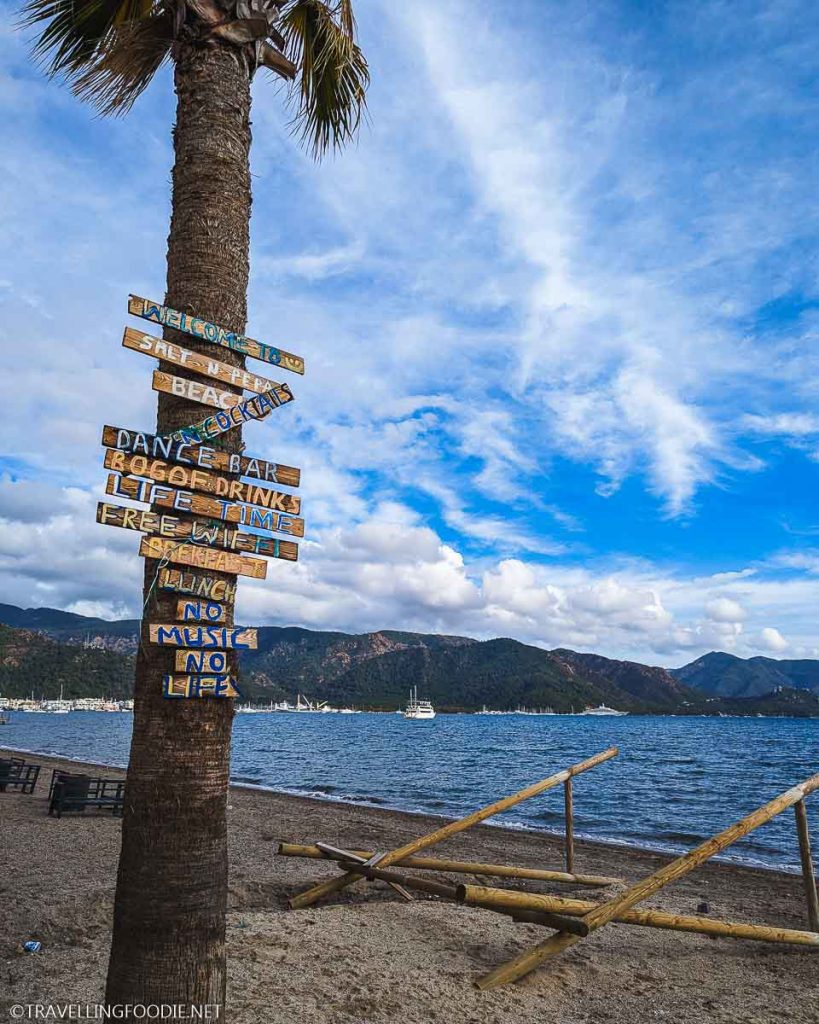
808	873
392	877
568	803
516	903
463	867
606	912
316	892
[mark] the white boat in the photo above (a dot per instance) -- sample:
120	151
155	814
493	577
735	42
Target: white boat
601	709
418	709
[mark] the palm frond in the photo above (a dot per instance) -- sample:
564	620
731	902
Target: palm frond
108	50
133	53
330	95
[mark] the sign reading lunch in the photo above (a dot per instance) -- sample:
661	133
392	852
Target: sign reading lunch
197	497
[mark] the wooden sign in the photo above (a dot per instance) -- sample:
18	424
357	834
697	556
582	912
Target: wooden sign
168	352
179	581
202	558
193	391
207	331
200	455
202	533
201	480
191	609
200	686
200	505
206	637
201	662
255	408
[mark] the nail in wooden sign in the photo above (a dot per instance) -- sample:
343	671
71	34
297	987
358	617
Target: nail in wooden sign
206	637
168	352
179	581
193	610
137	443
207	331
200	686
201	480
202	558
193	391
213	508
201	662
255	408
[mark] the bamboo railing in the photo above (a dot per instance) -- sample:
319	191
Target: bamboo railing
317	892
462	867
642	890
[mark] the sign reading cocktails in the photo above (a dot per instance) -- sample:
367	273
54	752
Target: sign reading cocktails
196	495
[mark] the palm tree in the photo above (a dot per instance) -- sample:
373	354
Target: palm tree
168	941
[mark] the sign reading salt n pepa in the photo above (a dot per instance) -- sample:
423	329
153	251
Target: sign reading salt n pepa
197	497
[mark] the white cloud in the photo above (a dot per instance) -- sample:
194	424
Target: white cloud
771	639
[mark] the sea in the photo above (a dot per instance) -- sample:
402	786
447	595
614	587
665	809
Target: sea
675	782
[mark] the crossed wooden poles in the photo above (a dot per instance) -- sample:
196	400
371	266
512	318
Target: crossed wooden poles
572	920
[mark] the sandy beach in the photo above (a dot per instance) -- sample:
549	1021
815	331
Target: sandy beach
368	957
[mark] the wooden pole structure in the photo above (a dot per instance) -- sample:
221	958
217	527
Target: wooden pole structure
392	877
533	904
808	873
316	892
568	803
606	912
464	867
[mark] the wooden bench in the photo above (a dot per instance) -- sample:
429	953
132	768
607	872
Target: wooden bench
76	792
15	772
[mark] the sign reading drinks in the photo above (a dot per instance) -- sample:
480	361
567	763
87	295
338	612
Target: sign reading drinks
197	498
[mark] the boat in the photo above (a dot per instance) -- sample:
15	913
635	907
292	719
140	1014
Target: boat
418	709
601	709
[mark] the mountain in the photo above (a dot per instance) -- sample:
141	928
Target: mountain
95	657
32	663
725	675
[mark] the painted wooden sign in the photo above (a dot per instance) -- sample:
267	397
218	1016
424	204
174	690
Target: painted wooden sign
202	558
168	352
191	609
201	662
200	686
202	533
137	443
204	637
200	505
180	581
255	408
201	480
207	331
194	391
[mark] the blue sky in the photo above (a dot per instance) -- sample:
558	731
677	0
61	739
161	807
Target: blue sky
559	308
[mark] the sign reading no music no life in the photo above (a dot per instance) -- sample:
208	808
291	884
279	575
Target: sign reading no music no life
202	487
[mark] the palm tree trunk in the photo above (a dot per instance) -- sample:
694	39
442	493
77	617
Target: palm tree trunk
168	941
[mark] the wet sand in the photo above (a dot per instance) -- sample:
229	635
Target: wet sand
367	958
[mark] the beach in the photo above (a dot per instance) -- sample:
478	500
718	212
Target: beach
366	956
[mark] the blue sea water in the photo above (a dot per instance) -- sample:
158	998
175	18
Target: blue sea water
675	782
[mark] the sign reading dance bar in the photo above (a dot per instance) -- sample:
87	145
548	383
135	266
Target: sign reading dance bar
136	443
197	497
207	331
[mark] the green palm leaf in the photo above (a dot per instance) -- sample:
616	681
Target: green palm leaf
330	94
